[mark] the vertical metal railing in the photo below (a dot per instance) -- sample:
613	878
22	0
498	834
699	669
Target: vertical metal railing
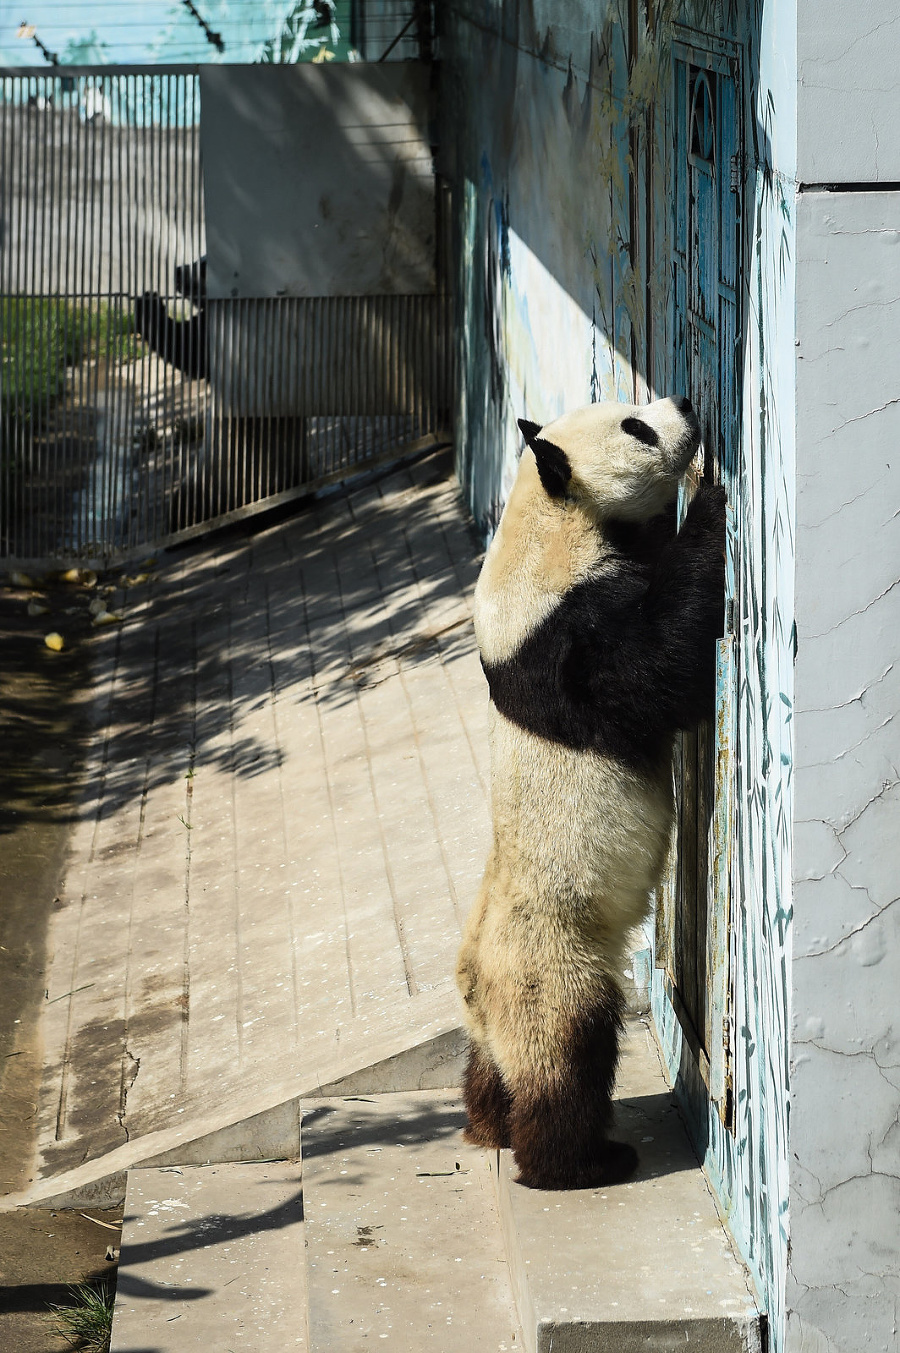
132	409
99	198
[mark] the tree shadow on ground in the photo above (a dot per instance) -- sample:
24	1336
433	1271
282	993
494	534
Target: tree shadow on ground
226	629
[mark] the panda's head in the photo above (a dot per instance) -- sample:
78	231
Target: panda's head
619	460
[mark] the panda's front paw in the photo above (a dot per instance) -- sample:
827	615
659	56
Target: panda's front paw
706	514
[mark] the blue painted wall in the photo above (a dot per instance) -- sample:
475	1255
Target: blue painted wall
558	140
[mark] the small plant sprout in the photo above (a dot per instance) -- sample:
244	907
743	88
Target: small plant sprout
87	1322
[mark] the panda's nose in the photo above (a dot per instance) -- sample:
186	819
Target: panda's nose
683	404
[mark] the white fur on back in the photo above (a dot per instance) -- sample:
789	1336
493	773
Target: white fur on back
542	548
579	845
583	835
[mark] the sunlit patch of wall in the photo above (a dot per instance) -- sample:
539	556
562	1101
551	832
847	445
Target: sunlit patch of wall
551	284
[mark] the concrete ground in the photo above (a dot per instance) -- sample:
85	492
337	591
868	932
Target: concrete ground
284	818
42	713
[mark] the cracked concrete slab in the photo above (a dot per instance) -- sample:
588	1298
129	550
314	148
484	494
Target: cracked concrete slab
842	1279
284	818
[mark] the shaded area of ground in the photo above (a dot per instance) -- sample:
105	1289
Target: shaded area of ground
42	706
284	816
42	1254
41	734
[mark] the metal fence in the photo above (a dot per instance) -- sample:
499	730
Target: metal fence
133	410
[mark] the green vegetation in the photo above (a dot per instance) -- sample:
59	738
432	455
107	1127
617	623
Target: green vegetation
40	336
87	1323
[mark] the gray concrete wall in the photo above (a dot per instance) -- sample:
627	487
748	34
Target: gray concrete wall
93	208
318	180
848	86
844	1274
843	1280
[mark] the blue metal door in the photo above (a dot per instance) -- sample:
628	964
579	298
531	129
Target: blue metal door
693	941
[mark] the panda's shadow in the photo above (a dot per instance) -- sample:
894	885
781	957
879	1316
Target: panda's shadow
374	1131
653	1125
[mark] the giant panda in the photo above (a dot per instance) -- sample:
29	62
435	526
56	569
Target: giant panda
596	621
181	342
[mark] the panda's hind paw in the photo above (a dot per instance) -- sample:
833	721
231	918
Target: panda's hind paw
616	1163
619	1162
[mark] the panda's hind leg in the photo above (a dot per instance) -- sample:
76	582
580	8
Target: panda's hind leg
487	1101
559	1122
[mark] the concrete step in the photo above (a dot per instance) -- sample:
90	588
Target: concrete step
647	1264
212	1259
415	1042
403	1233
416	1239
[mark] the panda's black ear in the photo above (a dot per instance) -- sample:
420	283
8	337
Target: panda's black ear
528	430
553	467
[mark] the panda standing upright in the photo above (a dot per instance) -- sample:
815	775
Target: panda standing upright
597	625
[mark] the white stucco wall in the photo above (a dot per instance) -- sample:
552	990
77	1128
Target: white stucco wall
848	84
843	1278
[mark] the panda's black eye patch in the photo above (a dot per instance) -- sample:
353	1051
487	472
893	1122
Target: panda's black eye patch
642	432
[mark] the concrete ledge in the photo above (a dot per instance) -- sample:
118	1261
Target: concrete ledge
410	1044
435	1065
212	1257
403	1235
647	1264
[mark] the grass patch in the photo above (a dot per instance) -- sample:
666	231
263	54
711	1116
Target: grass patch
40	336
87	1322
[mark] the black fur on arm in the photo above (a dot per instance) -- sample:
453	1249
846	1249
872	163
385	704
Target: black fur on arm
627	657
642	542
684	608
